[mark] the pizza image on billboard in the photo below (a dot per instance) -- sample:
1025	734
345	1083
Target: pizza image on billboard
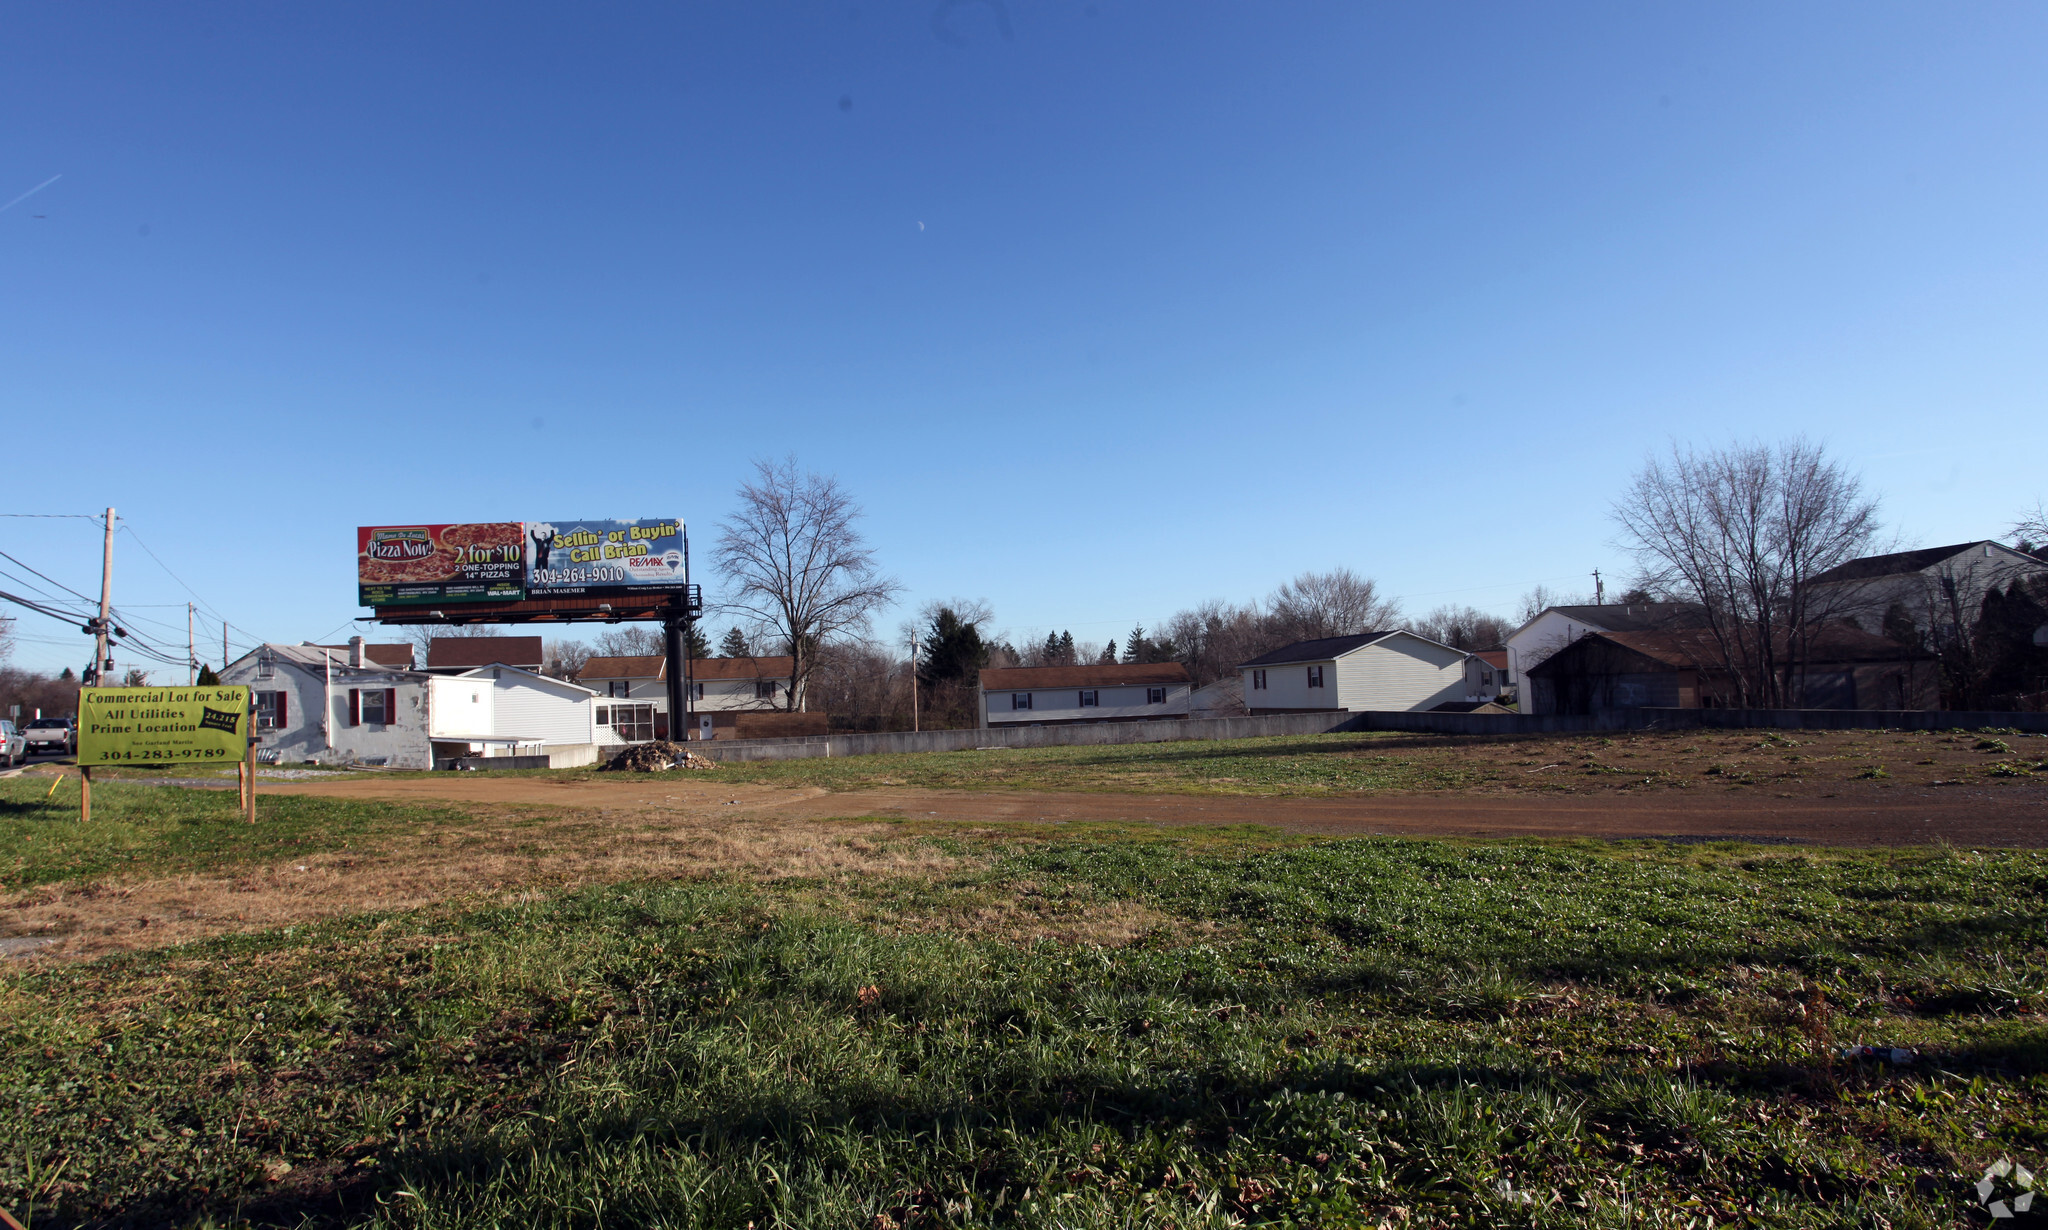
408	565
570	558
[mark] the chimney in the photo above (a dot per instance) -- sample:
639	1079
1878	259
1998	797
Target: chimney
355	652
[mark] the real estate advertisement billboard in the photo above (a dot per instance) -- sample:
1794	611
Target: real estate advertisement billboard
408	565
505	561
162	725
571	558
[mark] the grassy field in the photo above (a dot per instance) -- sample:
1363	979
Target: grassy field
1785	762
1196	1029
140	830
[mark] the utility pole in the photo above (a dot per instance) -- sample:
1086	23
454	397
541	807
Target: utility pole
191	650
103	662
1599	589
223	644
913	685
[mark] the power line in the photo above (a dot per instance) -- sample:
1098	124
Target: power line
54	516
52	580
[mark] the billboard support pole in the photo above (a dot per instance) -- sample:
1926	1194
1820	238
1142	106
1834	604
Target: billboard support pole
84	794
676	649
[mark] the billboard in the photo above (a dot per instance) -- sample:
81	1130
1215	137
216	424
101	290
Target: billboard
505	561
162	725
412	565
576	558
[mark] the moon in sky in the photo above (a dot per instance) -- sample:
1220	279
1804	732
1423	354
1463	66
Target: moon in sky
920	226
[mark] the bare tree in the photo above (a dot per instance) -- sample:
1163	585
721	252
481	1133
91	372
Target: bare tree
1743	531
629	641
565	659
1334	603
1542	598
797	564
2030	532
1463	627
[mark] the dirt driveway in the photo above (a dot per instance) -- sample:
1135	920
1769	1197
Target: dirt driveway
1875	815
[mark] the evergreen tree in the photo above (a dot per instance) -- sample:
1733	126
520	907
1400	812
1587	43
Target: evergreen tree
1050	654
734	645
953	650
66	675
1108	657
695	643
1134	647
207	679
1067	649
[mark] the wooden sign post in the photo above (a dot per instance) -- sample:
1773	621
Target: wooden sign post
249	776
84	793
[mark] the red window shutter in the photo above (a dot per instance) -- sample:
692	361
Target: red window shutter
355	706
283	718
391	706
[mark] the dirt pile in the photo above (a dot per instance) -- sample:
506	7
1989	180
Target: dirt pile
657	757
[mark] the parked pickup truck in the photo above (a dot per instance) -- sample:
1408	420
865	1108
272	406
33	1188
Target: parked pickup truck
51	736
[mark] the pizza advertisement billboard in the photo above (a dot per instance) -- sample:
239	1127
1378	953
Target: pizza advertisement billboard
506	561
576	558
410	565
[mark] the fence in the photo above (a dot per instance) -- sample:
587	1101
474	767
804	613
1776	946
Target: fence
1110	733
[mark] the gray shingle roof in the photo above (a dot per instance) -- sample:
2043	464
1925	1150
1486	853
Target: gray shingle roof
1314	651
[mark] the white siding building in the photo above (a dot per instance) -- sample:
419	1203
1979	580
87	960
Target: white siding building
1938	591
1060	695
322	705
632	694
334	706
1376	671
507	711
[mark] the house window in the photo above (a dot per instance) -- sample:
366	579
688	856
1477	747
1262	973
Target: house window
1155	696
371	706
1315	676
1020	700
1090	699
1258	681
764	689
619	688
1485	679
633	723
696	691
272	711
604	715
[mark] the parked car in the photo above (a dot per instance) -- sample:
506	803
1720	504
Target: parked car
13	747
57	736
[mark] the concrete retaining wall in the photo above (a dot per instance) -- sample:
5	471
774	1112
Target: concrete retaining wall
573	755
1699	719
1102	733
1078	734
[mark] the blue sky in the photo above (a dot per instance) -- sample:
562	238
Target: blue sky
1101	308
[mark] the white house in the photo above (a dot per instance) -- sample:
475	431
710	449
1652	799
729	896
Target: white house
633	694
1937	591
1486	675
315	703
509	711
1061	695
1555	627
321	705
1376	671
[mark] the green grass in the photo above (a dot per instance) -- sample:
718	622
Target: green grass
1291	765
1327	1033
159	830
